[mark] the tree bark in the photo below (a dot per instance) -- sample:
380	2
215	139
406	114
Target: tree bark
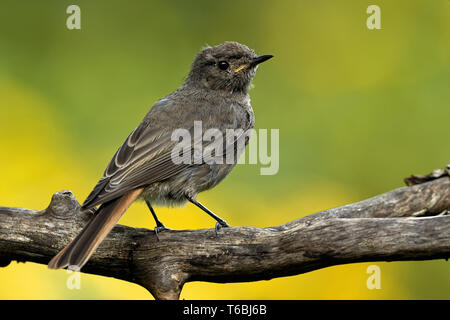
409	223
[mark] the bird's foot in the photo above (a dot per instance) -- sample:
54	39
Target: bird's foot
160	228
221	224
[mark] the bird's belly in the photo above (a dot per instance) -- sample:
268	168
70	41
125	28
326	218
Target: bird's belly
174	192
163	194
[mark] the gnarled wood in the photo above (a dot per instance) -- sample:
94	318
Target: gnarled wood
405	224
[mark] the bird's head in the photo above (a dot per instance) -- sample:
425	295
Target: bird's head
229	66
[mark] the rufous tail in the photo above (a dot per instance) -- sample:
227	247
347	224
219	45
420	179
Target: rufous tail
78	252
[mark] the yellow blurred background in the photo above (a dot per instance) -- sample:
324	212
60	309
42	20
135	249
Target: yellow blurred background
357	111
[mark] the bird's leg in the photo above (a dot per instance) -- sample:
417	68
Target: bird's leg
159	225
220	222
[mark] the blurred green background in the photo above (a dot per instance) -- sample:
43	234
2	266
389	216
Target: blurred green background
357	109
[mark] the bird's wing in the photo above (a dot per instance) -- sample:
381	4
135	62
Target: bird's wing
144	158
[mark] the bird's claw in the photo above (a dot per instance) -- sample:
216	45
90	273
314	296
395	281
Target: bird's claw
221	224
160	228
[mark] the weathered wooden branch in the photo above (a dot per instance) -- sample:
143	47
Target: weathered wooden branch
409	223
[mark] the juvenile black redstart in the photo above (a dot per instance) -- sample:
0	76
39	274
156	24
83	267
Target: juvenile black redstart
215	94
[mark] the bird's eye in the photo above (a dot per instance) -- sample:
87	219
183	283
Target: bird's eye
223	65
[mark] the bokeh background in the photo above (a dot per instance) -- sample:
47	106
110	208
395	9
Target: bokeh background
357	109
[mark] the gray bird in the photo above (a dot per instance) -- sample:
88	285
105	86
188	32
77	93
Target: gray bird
215	92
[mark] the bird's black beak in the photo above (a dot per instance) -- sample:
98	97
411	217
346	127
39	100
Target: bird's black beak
260	59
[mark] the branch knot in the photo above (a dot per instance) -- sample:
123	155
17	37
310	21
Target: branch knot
63	205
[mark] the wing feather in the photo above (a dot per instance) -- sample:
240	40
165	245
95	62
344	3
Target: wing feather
146	155
136	164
